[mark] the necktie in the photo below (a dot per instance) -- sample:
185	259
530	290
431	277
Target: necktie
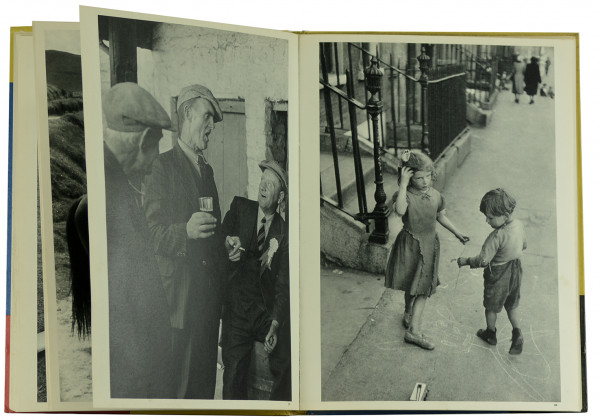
261	235
202	164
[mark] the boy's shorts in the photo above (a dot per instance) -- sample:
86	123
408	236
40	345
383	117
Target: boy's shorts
502	286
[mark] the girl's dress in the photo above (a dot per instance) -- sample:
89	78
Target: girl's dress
413	262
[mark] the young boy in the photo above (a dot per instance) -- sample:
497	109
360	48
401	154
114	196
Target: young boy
500	255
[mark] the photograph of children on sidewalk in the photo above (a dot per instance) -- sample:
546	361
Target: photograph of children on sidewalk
413	135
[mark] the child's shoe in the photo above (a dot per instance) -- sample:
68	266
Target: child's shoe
517	342
488	336
419	340
406	320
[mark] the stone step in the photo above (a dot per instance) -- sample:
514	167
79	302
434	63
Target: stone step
347	175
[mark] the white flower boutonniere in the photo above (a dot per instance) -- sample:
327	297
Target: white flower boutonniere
273	245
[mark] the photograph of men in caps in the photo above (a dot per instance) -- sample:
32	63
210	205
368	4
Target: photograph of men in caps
181	203
141	363
257	299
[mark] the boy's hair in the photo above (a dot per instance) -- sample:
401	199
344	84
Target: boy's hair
497	202
418	161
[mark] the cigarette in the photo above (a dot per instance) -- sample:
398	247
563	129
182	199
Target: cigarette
242	249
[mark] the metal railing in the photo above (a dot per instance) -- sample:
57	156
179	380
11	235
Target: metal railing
438	108
482	74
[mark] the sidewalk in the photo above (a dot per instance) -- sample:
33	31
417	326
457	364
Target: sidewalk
372	361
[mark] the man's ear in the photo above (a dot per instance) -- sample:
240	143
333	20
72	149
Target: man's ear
281	197
150	137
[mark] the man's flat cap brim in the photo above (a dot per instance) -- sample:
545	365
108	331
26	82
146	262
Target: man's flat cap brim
130	108
279	171
199	91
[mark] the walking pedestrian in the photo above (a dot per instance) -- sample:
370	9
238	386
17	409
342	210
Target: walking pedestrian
413	262
501	257
518	76
532	79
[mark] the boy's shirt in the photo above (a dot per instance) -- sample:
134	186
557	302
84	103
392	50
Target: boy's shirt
504	244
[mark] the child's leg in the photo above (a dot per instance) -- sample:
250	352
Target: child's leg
408	301
513	317
417	309
517	337
413	334
490	319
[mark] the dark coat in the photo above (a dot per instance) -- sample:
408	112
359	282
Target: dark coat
273	282
191	269
171	195
141	365
532	78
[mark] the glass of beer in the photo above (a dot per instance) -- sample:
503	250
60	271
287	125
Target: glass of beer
206	204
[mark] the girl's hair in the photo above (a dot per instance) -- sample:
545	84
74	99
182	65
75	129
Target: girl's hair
497	202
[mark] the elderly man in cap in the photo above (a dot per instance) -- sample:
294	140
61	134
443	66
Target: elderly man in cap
141	363
257	301
182	209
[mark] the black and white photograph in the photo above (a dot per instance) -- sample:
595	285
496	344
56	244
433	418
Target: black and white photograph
64	218
197	212
438	222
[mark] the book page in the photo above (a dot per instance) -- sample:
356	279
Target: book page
62	169
25	323
157	315
400	326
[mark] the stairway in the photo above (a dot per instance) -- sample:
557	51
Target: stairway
344	239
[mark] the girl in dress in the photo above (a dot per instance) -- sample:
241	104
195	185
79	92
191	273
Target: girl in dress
413	262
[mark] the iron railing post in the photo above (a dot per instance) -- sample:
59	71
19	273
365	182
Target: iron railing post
373	76
332	135
424	60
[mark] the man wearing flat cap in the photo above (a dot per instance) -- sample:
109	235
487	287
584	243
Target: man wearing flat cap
182	209
257	304
141	363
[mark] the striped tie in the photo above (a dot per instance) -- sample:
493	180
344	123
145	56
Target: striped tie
261	234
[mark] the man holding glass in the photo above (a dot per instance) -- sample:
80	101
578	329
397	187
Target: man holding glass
182	209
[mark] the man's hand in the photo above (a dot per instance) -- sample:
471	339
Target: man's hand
271	338
201	225
233	244
462	261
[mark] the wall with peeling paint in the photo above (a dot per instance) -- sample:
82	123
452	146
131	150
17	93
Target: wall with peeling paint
231	64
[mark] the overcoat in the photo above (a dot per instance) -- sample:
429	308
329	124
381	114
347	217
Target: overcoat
141	362
532	78
191	269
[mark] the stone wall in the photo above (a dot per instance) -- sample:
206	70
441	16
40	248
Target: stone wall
231	64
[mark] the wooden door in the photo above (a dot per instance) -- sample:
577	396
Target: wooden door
226	152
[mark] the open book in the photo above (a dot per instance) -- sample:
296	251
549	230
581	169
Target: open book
245	219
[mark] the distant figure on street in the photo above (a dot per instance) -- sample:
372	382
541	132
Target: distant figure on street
518	76
501	257
413	262
532	79
257	301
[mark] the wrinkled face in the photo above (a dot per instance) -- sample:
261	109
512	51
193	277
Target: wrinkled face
495	221
200	118
421	180
269	191
146	153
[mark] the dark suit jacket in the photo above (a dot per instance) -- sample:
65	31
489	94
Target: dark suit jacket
141	363
191	270
273	282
